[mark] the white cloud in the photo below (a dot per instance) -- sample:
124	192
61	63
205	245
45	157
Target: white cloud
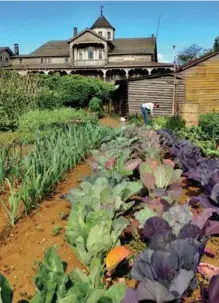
161	59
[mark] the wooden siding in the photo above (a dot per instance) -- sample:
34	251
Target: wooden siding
202	85
158	90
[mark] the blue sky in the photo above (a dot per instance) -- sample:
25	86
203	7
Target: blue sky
182	23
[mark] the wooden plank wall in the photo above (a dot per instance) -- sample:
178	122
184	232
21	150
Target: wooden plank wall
158	90
202	85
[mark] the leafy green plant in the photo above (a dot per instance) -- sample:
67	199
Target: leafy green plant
95	105
209	123
101	195
92	234
6	293
56	230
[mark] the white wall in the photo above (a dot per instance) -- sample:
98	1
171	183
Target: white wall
105	32
4	59
120	58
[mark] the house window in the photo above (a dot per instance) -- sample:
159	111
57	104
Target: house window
21	61
90	54
6	60
66	60
109	35
1	58
80	55
48	60
100	54
100	33
41	60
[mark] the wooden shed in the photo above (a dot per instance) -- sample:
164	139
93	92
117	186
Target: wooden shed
165	89
202	82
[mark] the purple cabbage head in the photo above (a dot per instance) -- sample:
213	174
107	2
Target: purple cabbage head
203	171
166	275
186	154
190	231
212	187
155	225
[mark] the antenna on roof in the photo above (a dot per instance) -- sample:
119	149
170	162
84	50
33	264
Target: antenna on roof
158	26
101	10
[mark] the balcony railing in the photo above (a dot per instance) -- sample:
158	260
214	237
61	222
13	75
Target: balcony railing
98	62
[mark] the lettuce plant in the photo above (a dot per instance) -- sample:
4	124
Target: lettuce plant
161	177
101	195
92	233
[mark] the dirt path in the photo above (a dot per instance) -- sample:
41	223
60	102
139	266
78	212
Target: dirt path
33	235
113	122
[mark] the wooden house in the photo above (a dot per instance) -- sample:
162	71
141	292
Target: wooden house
165	89
202	82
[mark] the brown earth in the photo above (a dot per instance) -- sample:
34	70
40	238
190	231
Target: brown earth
27	241
113	122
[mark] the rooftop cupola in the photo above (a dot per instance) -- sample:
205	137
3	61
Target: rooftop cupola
102	27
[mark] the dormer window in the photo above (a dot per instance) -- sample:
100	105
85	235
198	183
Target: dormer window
109	35
100	33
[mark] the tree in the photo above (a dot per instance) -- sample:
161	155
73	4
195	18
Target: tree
189	53
216	44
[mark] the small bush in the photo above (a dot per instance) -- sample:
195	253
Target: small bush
209	123
95	105
42	119
47	99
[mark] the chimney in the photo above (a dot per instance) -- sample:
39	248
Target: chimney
152	35
16	49
75	31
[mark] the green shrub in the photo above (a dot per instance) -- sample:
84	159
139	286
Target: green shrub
75	90
47	99
95	105
209	123
136	119
17	95
42	119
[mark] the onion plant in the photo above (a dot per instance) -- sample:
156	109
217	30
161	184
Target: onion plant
51	157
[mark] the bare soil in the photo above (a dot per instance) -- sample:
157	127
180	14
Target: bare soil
22	246
113	122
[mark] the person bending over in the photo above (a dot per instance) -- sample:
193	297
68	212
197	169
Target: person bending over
148	109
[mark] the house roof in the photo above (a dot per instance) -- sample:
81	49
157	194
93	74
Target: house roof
133	46
102	22
5	48
154	76
90	31
59	48
197	60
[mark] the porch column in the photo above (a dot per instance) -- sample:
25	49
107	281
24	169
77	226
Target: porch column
106	52
127	72
149	70
104	74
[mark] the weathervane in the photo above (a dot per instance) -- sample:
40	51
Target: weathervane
101	10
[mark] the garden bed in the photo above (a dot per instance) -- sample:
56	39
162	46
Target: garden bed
145	219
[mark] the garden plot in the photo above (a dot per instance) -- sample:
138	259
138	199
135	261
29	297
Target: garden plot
130	229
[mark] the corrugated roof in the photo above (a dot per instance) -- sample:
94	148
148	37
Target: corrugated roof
101	22
197	60
134	46
52	49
